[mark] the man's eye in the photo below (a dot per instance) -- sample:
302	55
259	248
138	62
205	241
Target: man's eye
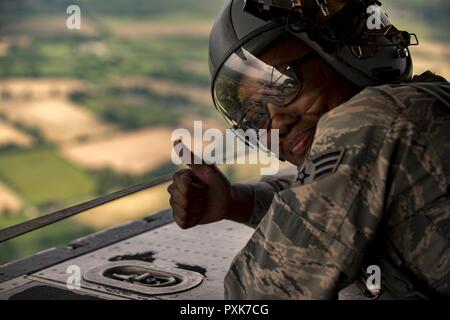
258	119
288	84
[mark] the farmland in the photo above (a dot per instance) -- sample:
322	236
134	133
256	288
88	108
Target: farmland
144	29
86	113
59	120
141	151
9	135
195	94
43	178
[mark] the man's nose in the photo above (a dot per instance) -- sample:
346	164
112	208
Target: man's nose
283	119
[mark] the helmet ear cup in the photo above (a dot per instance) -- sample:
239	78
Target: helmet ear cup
374	58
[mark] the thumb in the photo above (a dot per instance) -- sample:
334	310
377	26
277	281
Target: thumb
200	169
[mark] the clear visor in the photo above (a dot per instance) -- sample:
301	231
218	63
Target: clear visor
246	87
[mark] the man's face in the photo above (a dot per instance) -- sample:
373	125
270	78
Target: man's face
320	90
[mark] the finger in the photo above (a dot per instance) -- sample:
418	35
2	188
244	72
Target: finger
195	163
186	214
171	188
179	221
190	204
188	184
180	172
183	218
178	178
185	153
174	191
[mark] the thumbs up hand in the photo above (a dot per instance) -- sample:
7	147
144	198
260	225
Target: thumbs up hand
202	194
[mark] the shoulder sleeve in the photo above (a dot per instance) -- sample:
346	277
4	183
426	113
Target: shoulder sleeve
264	192
311	242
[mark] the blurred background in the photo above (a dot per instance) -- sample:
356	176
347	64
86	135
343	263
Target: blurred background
87	112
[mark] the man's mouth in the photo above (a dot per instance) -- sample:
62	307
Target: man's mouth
299	143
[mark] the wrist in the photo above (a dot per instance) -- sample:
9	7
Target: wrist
242	202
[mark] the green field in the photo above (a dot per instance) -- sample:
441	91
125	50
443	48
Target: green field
43	178
139	107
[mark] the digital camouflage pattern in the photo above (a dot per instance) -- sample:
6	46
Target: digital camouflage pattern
373	190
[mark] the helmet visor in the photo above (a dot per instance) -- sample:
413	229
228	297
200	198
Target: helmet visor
246	86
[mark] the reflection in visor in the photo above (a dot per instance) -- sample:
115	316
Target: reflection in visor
245	86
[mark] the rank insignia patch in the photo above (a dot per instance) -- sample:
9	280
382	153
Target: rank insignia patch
320	165
326	162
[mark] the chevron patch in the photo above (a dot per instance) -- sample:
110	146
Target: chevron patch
326	163
320	165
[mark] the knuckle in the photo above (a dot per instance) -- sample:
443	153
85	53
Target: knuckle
180	173
179	212
185	179
186	184
178	222
183	202
182	223
176	177
172	202
179	199
183	219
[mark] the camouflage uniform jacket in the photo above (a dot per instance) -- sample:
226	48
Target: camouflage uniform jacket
374	189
